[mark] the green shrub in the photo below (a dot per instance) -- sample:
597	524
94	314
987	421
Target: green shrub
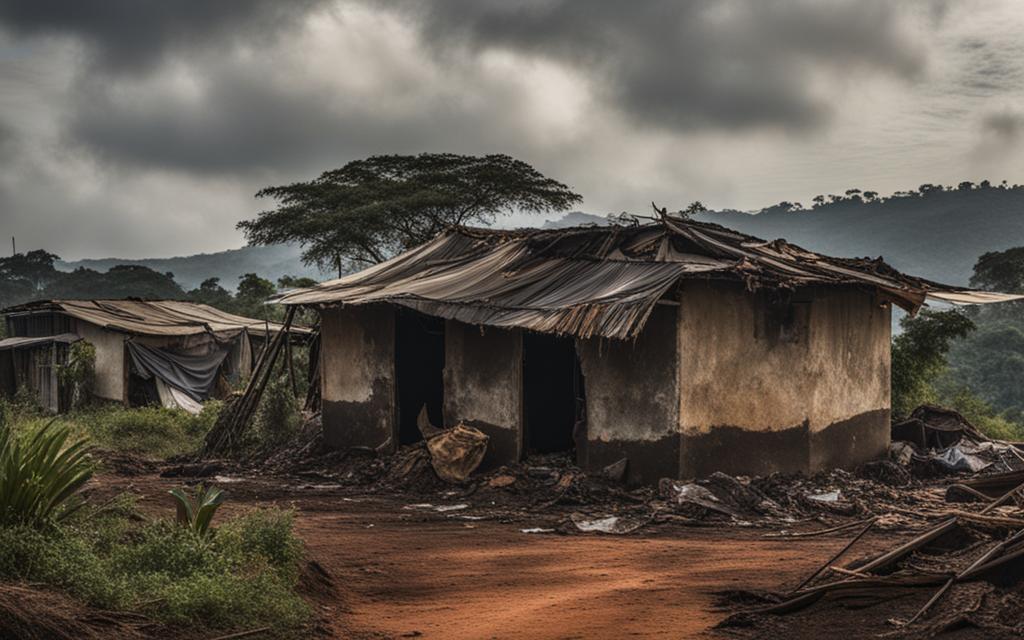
79	373
278	417
242	576
40	473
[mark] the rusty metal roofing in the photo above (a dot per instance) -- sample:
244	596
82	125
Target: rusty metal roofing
153	317
599	281
27	343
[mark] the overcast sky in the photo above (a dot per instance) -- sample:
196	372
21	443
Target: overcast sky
142	128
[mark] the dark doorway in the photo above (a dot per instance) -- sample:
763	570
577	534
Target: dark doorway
553	400
419	371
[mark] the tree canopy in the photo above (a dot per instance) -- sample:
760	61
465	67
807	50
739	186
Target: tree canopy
372	209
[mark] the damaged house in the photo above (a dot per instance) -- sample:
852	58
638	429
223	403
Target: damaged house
147	351
683	347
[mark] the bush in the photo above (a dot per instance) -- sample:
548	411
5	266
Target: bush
152	431
243	576
278	417
79	373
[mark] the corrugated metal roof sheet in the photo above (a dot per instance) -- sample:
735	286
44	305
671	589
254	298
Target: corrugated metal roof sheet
24	343
154	317
598	281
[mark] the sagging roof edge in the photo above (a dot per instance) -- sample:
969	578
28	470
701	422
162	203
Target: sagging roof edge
760	265
179	318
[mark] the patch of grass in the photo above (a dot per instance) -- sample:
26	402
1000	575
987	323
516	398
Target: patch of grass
151	431
243	576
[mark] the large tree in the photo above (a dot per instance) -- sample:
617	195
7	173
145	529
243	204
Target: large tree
369	210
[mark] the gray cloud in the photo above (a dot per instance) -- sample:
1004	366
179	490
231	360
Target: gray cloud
133	35
144	127
685	65
1005	125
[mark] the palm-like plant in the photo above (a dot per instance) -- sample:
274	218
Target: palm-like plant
196	509
39	476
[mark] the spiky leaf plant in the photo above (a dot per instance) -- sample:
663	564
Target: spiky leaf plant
40	475
196	509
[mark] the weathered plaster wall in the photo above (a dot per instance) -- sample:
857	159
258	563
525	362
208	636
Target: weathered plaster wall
110	360
483	386
358	380
751	403
632	391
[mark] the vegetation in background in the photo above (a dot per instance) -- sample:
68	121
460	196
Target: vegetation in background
990	361
919	356
40	473
971	360
78	374
372	209
278	418
151	431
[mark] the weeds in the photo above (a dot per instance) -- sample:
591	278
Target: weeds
196	508
149	431
241	576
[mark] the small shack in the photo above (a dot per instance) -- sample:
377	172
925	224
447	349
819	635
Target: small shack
683	347
168	352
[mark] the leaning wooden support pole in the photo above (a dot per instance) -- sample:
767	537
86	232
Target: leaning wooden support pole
225	433
837	555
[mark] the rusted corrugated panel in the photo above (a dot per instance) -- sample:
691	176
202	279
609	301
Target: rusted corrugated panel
595	281
154	317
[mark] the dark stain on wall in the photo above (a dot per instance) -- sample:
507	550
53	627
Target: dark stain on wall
743	452
360	424
851	442
649	460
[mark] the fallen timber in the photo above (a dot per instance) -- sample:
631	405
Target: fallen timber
879	574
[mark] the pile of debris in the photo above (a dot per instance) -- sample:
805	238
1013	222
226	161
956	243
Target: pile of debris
935	441
972	562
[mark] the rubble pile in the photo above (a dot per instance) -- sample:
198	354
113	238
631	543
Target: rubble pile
970	565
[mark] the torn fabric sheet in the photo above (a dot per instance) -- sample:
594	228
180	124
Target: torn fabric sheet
192	375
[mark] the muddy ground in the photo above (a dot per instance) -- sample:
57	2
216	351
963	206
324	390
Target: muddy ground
400	570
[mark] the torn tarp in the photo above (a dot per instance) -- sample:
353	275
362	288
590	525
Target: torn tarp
192	375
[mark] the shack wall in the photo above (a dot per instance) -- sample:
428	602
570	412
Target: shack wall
483	386
111	374
632	399
756	399
358	375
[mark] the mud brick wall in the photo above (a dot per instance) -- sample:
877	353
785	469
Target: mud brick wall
632	391
357	376
483	386
756	398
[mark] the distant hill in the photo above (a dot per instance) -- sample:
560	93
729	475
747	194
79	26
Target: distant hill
933	232
267	262
936	232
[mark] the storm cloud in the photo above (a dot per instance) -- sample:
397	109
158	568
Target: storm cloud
142	127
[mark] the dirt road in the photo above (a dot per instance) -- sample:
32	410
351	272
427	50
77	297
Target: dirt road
402	572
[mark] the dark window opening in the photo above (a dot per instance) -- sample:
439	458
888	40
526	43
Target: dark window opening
553	397
419	371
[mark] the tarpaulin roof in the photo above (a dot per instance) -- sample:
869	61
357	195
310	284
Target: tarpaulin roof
599	281
154	317
25	343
